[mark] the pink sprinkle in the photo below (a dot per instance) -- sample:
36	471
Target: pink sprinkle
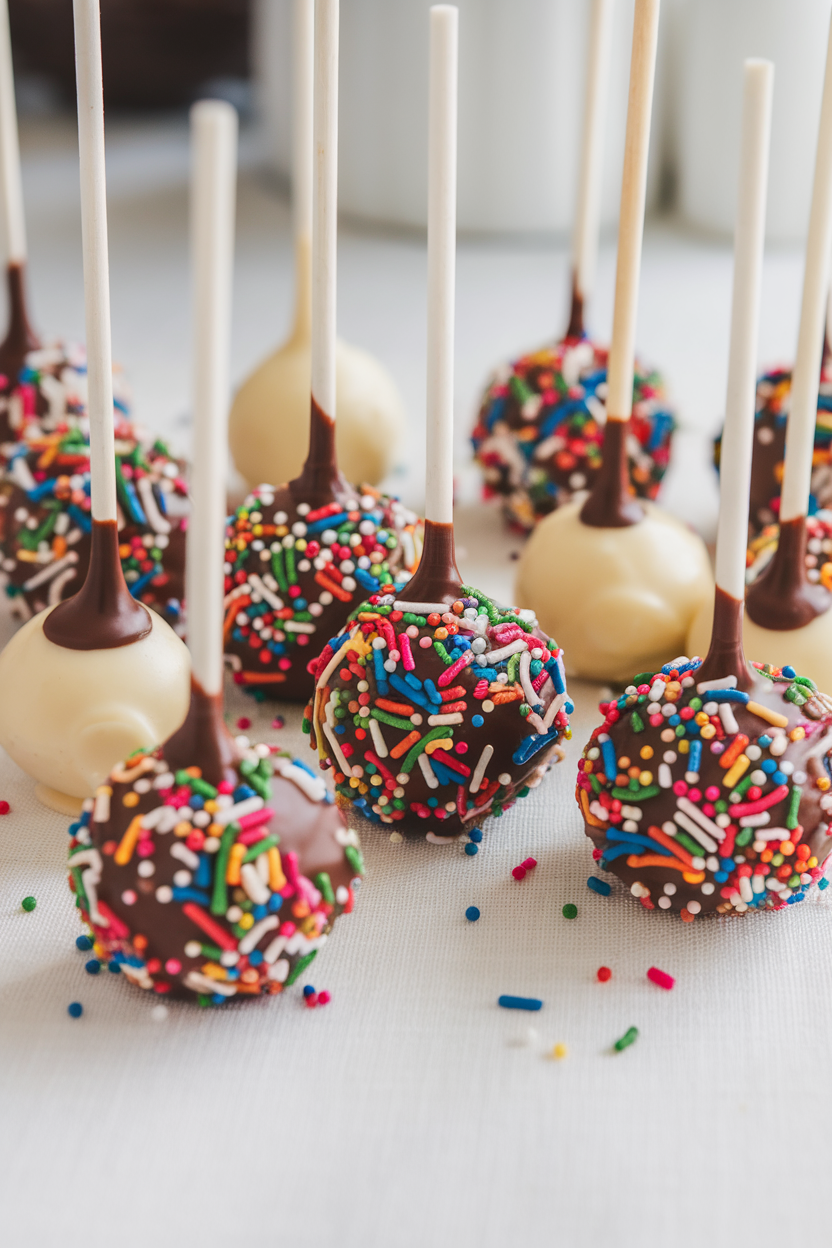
311	1001
278	721
256	818
425	643
529	863
660	978
680	788
519	873
405	651
324	998
173	966
243	722
447	677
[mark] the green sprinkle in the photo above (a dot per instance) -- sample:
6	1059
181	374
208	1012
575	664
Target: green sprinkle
643	678
28	903
324	886
692	846
279	571
630	1036
443	653
744	836
212	952
570	910
643	794
353	856
299	967
219	897
637	722
289	556
261	847
410	618
794	803
395	721
414	752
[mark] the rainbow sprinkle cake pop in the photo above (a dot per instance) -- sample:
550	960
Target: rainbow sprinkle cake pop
211	868
540	429
707	786
300	557
439	707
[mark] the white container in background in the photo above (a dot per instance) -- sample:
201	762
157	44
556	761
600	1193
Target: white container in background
714	37
521	89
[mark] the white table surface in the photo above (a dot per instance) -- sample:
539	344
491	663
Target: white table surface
402	1114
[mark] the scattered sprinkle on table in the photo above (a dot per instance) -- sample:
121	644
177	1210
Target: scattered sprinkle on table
528	865
243	722
660	978
28	903
4	808
472	849
603	973
278	721
83	943
559	1051
312	998
92	967
519	1003
472	914
570	910
475	835
630	1036
75	1009
599	886
824	883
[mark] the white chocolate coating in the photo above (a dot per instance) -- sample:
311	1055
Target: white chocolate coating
807	649
68	716
269	422
619	601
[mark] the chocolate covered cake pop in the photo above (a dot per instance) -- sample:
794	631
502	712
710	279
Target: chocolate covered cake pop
539	433
294	572
217	877
773	398
45	521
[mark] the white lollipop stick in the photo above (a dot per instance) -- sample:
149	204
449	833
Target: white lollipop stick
303	72
749	240
213	193
11	186
588	211
631	217
442	134
96	259
800	429
325	205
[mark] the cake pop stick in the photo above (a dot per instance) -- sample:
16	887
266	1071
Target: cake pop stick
787	617
164	910
588	212
618	581
270	417
704	790
539	431
461	703
300	555
20	337
97	676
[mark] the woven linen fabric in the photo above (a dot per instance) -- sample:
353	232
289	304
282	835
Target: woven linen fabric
405	1114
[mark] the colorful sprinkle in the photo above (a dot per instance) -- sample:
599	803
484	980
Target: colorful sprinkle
519	1003
29	903
660	978
570	911
630	1036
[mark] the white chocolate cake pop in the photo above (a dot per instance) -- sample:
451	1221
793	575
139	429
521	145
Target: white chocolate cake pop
788	618
84	682
615	580
269	422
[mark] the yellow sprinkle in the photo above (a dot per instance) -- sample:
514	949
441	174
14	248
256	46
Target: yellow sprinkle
646	751
684	745
797	734
277	879
128	842
247	921
771	717
213	971
130	799
183	829
738	769
707	732
559	1051
645	778
235	859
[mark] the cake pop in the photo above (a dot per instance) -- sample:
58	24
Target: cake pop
541	421
210	867
269	424
615	580
437	708
299	557
705	788
787	616
90	680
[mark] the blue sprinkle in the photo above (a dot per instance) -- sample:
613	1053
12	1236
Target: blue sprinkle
83	943
695	756
725	695
275	902
674	720
114	968
599	886
721	876
779	777
520	1003
727	864
822	884
75	1009
768	765
477	721
260	912
789	671
308	990
476	834
255	957
93	966
765	741
472	914
610	762
243	791
472	849
218	999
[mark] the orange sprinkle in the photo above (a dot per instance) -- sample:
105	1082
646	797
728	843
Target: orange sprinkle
404	745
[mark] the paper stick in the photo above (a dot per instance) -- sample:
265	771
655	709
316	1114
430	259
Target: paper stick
213	194
749	240
325	204
631	218
442	136
303	71
800	429
588	211
96	259
11	186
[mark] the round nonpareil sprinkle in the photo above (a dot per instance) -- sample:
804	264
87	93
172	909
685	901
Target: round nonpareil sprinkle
28	903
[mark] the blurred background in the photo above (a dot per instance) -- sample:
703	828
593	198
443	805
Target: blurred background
521	87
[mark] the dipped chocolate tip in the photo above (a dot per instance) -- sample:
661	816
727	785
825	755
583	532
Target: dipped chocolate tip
103	614
321	480
611	503
726	656
203	740
783	598
20	337
437	577
576	328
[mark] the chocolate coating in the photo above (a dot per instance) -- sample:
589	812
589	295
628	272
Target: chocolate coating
173	903
20	338
538	436
103	614
611	504
682	838
783	598
410	711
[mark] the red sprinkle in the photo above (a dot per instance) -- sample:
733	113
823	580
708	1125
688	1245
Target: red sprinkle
4	808
604	973
243	722
519	873
660	978
324	998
